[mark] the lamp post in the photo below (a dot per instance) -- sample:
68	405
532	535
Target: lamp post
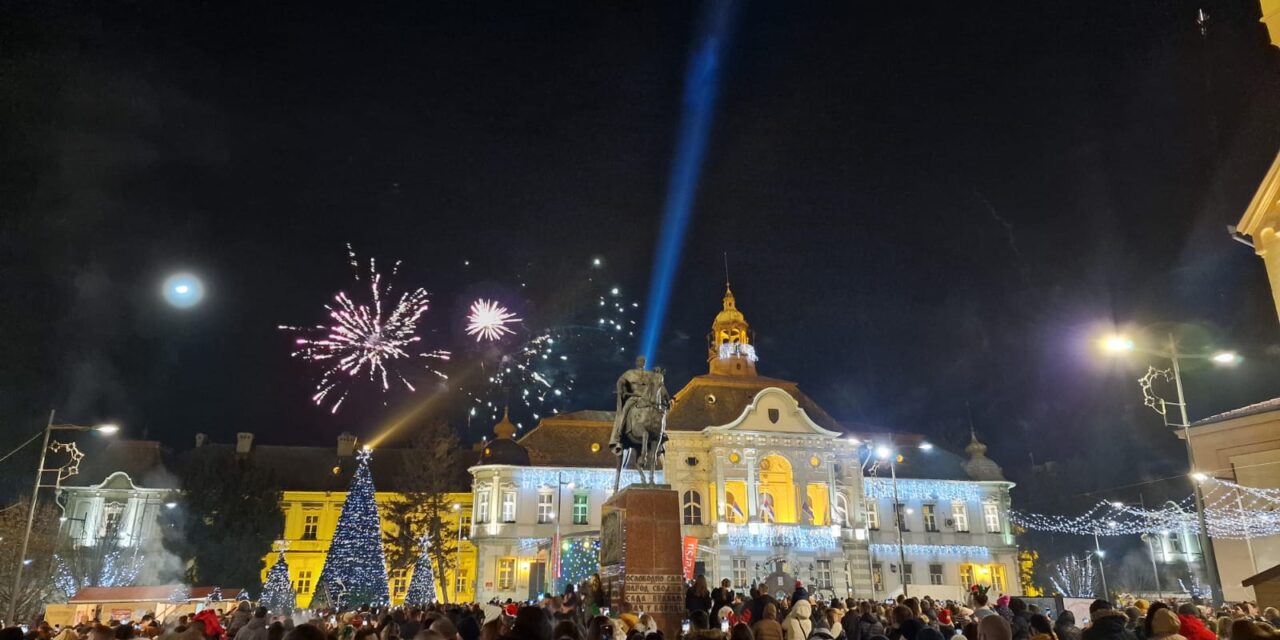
1097	550
49	428
884	452
457	570
1121	344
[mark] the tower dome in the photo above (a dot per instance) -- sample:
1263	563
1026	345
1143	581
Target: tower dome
503	449
979	466
729	348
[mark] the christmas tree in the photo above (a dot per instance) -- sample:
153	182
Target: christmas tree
422	587
579	558
355	570
277	593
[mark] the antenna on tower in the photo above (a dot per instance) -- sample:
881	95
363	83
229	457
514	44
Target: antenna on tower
726	268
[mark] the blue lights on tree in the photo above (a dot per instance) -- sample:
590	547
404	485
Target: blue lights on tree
277	593
355	570
422	586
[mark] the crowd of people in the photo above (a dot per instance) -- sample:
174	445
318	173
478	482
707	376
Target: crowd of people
719	614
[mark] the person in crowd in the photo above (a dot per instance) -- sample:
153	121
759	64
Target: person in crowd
797	624
1223	627
275	631
1041	628
256	627
720	598
766	627
491	630
1065	626
970	630
946	624
800	593
1192	625
571	603
700	626
566	630
1164	624
1106	623
741	631
1272	616
1019	619
834	622
929	633
981	610
994	628
1134	616
531	623
905	623
1248	629
698	597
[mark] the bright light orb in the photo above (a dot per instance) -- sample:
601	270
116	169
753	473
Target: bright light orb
1117	344
183	290
1226	357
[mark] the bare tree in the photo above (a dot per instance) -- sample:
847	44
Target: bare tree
430	472
38	584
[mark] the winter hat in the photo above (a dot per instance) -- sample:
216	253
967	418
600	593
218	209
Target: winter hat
799	585
1165	622
1002	601
965	612
944	616
1141	604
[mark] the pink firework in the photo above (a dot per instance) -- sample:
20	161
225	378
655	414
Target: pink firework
488	320
364	340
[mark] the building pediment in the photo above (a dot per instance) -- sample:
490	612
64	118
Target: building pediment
773	410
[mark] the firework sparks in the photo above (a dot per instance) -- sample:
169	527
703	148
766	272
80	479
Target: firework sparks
488	320
364	340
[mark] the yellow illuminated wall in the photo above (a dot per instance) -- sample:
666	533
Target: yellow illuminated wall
310	518
776	486
818	503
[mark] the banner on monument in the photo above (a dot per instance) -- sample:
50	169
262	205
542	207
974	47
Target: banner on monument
690	555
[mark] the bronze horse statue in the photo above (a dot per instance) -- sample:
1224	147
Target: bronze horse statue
639	427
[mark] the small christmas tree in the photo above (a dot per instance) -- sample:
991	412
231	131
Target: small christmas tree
355	570
422	587
277	594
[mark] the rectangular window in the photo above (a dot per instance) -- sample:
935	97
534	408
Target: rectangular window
877	577
304	582
506	573
824	573
460	583
930	517
935	573
871	514
991	517
310	527
906	574
508	506
465	533
966	576
399	583
960	515
740	573
546	508
901	511
997	578
1175	543
482	507
580	506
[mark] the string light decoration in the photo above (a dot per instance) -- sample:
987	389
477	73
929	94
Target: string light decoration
1231	511
355	569
422	586
580	478
180	594
579	558
119	568
277	593
1074	577
956	550
767	536
924	490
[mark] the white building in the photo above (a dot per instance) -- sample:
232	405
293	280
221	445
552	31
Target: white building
773	488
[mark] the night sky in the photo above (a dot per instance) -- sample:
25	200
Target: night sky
928	209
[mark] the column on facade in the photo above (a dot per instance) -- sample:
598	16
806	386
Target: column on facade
495	497
749	456
721	509
829	460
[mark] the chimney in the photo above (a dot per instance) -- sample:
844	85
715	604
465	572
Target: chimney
201	440
244	443
346	445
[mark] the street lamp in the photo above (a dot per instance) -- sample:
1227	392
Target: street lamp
49	428
457	570
1118	344
884	452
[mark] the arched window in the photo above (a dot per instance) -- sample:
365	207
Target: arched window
692	507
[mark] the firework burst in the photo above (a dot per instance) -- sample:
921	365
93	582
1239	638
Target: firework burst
488	320
363	340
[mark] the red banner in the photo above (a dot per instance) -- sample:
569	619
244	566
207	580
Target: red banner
689	556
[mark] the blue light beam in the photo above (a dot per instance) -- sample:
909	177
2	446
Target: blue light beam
700	83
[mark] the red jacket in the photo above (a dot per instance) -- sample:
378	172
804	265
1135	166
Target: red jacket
1193	629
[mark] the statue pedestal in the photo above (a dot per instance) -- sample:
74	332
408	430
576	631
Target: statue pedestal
640	563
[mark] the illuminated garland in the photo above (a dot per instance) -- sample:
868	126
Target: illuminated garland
422	586
766	536
277	592
355	569
923	490
119	568
957	550
732	350
579	478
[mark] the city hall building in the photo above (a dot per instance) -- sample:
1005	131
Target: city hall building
771	486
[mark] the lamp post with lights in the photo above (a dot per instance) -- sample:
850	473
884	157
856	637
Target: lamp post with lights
50	427
891	455
1119	344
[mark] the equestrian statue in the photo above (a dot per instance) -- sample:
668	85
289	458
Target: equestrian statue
639	427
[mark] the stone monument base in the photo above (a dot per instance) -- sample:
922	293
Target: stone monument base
640	559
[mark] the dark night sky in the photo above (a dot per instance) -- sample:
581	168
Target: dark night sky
924	205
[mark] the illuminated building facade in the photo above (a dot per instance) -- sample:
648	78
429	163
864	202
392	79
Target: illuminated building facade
773	488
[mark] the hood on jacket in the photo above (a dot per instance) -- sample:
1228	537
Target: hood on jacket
801	610
1193	628
1109	620
256	623
1165	622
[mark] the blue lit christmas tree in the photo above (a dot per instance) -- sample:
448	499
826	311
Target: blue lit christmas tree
355	570
277	593
579	558
422	586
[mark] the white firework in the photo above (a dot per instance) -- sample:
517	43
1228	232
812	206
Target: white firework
488	320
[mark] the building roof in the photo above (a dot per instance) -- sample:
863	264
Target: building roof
578	439
159	593
1248	410
144	461
322	469
711	400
